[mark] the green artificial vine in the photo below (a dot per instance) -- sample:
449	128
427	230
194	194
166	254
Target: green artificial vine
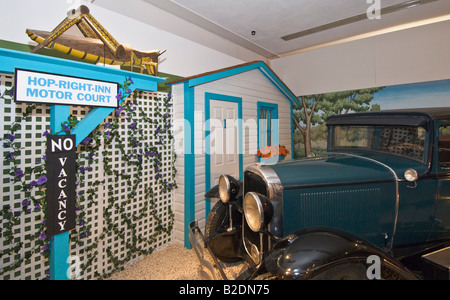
136	151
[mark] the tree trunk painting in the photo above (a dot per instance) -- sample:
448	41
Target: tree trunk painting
315	109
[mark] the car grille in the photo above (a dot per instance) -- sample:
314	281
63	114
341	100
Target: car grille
255	181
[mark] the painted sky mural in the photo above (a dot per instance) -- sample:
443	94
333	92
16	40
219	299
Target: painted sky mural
310	129
415	95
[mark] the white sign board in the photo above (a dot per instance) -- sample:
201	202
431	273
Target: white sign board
38	87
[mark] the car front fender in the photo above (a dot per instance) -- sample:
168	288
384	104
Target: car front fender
308	253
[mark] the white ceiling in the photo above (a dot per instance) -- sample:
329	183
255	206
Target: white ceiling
271	20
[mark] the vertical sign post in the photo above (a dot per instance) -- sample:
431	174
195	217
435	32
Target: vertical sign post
59	247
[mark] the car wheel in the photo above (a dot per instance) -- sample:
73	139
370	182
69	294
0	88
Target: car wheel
346	271
218	219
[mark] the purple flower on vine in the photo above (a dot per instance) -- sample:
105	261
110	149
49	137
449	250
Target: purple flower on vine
107	124
86	140
135	143
26	202
130	80
45	247
47	132
18	174
107	133
33	183
42	236
9	156
119	96
119	110
66	128
11	137
91	156
41	180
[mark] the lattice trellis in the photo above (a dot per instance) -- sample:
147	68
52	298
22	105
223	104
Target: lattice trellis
120	232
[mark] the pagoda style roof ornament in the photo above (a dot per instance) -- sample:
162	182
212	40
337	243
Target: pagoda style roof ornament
96	45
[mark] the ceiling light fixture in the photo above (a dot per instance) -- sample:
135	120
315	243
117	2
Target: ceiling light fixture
369	34
357	18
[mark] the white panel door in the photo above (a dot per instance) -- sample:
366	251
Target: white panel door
224	138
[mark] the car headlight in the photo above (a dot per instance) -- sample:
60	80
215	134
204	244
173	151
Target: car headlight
228	188
258	211
411	175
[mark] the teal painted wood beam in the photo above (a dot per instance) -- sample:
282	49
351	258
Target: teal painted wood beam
59	246
10	60
189	162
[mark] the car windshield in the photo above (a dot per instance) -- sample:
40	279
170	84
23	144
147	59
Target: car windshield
407	141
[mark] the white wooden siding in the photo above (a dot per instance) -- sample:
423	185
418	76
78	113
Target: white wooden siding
252	87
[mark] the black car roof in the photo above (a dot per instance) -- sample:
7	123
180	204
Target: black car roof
411	117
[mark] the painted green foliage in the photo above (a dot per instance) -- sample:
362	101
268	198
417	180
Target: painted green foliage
315	109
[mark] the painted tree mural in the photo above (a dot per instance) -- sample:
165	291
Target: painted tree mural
315	109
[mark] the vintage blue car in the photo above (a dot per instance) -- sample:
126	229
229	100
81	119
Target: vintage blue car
377	205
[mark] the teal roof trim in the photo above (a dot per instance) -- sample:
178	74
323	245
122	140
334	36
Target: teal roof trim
231	71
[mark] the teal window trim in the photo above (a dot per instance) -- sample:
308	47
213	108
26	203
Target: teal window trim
272	129
220	97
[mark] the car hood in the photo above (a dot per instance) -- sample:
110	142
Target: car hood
344	168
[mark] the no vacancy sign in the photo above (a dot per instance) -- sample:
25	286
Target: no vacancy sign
61	181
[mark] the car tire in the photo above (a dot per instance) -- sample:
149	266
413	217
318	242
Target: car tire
346	271
218	219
